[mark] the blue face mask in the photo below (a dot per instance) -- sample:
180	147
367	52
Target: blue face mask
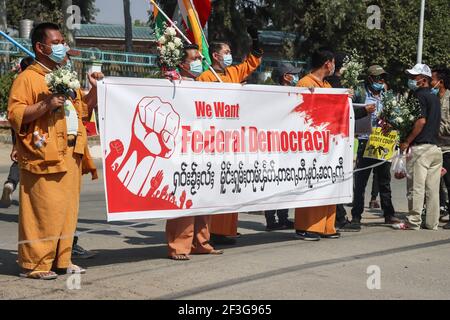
412	85
196	67
295	79
377	86
227	60
435	90
59	52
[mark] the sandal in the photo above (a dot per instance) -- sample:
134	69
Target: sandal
216	252
180	257
74	269
39	275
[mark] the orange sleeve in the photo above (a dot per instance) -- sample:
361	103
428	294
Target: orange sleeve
19	99
207	76
305	82
82	106
246	68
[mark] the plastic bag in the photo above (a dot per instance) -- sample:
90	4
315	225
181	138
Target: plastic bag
399	166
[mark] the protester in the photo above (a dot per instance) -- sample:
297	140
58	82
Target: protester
13	177
425	161
285	75
224	226
370	94
335	82
441	87
314	223
50	169
189	235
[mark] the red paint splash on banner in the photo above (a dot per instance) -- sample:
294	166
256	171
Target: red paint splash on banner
120	199
331	110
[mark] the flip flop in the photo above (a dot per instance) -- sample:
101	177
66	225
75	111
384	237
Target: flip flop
216	252
39	275
180	257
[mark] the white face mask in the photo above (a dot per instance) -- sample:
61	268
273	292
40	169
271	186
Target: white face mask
227	60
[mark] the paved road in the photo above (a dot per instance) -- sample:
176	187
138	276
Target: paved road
131	261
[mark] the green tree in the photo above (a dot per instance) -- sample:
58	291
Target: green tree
6	81
342	26
46	10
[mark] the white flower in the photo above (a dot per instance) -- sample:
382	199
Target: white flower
171	46
74	84
49	78
177	42
162	40
171	31
66	79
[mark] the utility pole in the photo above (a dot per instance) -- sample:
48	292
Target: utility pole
128	26
422	21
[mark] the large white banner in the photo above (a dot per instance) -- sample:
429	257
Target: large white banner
190	148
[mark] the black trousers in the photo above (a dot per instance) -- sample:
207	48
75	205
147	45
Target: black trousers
341	213
13	176
375	189
446	178
383	176
282	215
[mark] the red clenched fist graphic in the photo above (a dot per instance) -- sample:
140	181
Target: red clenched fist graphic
155	127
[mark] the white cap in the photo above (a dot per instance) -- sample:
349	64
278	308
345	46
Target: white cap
420	68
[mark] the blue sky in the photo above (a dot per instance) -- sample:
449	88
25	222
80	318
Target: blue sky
111	11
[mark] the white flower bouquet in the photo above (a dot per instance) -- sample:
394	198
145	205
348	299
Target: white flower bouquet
352	70
170	49
400	112
63	81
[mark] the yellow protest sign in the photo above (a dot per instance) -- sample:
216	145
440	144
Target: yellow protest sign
380	146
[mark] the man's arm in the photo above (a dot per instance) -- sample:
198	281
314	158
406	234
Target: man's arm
253	60
22	111
246	68
37	110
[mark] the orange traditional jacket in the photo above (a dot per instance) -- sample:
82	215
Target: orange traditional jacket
29	88
310	80
233	74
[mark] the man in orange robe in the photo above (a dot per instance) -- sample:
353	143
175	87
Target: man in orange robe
189	235
50	170
314	223
225	225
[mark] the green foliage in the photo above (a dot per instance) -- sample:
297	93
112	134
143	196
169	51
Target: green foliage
46	10
6	81
342	26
